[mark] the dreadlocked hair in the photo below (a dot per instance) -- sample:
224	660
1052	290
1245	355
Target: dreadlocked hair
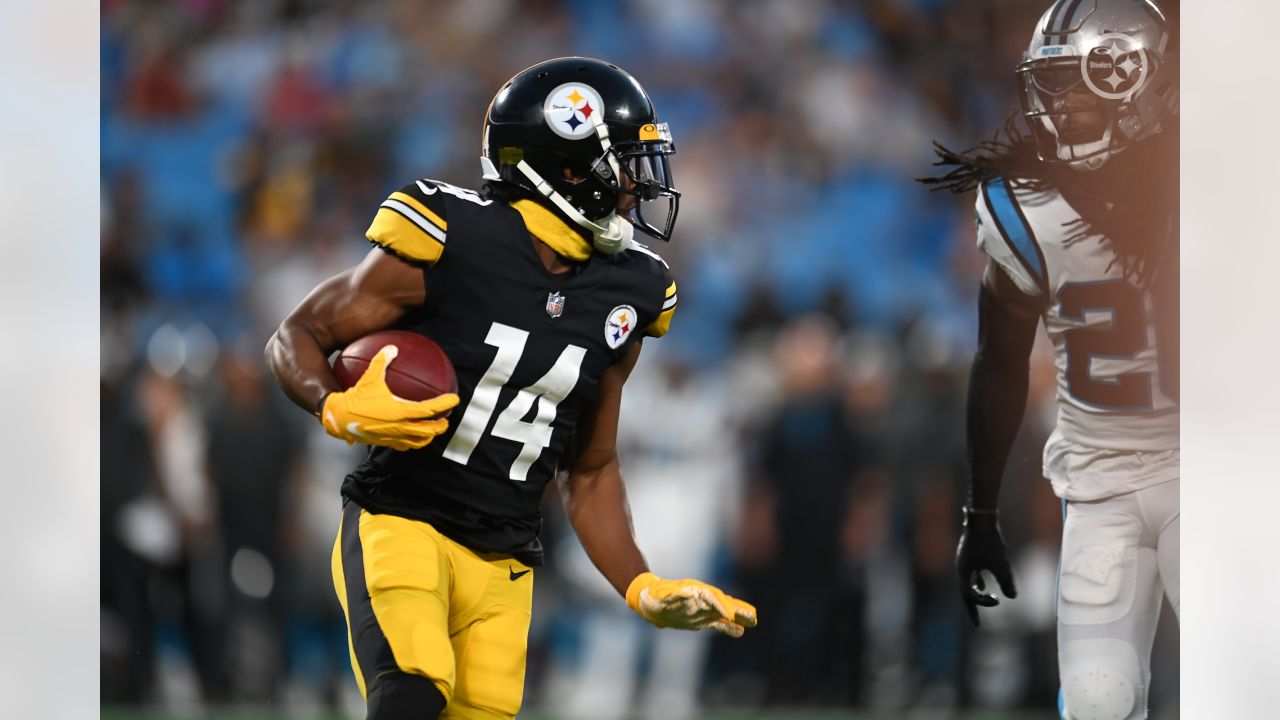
1130	203
1010	153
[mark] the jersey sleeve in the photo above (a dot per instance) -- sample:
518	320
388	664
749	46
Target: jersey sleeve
1006	237
411	224
659	326
658	278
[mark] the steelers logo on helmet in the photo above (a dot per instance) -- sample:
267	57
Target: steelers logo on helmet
619	324
1116	68
568	110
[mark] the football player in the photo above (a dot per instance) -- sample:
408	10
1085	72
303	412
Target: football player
540	296
1079	223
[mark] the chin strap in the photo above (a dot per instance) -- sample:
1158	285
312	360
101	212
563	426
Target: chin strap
610	234
1100	149
616	237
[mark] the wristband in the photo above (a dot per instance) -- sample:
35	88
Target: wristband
320	407
981	518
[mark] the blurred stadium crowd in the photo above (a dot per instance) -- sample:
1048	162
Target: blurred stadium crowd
798	437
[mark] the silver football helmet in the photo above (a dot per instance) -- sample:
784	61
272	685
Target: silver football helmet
1098	76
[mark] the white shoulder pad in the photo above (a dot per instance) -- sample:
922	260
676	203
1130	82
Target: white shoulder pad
1005	237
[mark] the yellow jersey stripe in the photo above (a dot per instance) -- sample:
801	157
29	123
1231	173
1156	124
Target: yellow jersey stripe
671	290
423	210
659	327
405	238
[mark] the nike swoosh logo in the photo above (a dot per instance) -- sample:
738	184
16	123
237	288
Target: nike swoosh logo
517	575
354	429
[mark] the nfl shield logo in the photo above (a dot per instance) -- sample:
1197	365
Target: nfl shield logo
555	304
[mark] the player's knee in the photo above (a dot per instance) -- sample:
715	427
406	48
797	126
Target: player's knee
1098	693
401	696
1101	680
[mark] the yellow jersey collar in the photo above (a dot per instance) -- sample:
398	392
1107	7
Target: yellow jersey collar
556	233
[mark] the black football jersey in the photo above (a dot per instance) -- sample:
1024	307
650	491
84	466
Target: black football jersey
529	348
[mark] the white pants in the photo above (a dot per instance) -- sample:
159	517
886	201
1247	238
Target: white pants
1118	555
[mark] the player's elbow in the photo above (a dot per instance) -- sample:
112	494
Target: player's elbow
590	470
1009	365
597	463
270	350
270	354
275	352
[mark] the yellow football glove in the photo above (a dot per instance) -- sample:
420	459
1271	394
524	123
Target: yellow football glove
368	412
689	605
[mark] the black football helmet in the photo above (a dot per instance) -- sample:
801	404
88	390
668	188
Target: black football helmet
593	119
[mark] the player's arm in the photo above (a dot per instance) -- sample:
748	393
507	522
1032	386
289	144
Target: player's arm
1007	319
366	298
595	501
369	297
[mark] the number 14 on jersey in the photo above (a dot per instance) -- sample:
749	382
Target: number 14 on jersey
533	435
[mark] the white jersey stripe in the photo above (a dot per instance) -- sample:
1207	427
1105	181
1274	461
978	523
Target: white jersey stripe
415	217
642	248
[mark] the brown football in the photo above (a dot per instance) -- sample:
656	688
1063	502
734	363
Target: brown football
420	370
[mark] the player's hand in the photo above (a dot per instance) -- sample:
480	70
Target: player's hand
982	548
368	412
689	605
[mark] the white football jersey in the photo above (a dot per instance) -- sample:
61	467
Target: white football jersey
1117	427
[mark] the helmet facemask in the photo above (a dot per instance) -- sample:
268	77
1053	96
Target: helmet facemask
595	198
1069	122
648	180
634	179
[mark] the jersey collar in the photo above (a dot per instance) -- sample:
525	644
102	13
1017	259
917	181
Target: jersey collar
544	225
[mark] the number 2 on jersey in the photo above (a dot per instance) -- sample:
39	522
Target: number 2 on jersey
547	392
1125	337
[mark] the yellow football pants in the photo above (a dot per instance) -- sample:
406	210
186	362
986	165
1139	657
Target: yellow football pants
420	603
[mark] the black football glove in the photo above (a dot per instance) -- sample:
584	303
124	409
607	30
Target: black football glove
982	548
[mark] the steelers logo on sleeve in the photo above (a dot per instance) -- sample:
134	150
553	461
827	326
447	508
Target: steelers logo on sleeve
618	326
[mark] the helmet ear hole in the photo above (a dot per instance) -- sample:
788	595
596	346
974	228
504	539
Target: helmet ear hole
602	170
